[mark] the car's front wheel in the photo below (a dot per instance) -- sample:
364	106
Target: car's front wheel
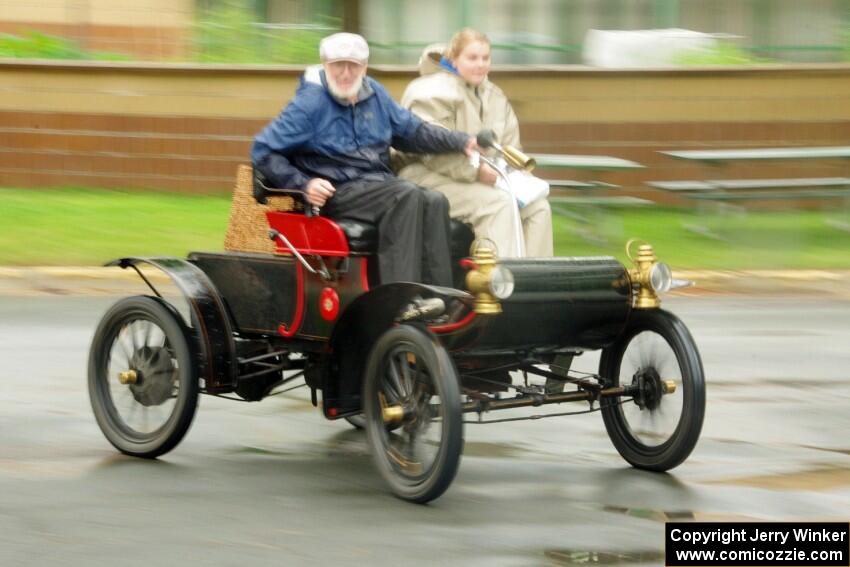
413	413
656	359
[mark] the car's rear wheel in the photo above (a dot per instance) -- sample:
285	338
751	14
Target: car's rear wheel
141	380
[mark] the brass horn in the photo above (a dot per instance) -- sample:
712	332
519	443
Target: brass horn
515	158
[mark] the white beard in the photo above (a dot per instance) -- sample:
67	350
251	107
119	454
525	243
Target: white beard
345	94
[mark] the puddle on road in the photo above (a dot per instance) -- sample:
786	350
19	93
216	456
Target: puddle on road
253	450
826	478
663	516
501	450
648	514
347	443
582	557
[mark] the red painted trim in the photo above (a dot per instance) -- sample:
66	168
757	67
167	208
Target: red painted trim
468	264
454	326
364	274
299	306
329	313
309	235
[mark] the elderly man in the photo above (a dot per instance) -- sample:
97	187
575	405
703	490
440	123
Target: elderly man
333	140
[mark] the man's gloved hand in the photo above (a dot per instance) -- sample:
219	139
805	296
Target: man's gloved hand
487	175
318	191
471	147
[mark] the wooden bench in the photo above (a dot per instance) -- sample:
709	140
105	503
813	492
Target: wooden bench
763	195
699	189
733	192
601	201
588	199
587	162
761	154
585	208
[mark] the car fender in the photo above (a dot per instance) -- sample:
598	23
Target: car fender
210	326
369	316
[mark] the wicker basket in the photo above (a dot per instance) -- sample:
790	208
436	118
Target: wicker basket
248	228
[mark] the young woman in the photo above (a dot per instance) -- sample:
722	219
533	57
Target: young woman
454	92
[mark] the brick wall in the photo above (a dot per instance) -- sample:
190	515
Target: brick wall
186	128
133	152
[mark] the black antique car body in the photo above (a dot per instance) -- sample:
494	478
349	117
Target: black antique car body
405	361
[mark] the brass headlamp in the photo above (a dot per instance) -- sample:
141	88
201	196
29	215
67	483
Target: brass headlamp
649	275
488	282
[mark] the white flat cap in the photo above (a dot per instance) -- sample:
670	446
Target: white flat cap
344	47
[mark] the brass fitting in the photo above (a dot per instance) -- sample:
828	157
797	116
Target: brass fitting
518	160
646	259
668	386
390	414
128	377
478	281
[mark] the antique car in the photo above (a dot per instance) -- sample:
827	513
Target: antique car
295	296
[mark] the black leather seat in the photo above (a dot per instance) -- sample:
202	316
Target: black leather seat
363	237
462	237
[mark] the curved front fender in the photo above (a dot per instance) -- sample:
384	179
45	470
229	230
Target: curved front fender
210	325
357	330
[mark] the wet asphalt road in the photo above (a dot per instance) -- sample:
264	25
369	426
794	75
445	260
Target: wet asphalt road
273	483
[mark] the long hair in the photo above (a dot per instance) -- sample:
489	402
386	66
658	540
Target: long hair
463	38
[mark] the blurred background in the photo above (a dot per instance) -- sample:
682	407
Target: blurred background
122	124
163	97
287	31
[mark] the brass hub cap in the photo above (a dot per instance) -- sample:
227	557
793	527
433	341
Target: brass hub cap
650	388
153	374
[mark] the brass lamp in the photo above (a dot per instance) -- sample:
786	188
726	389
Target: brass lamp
651	276
488	282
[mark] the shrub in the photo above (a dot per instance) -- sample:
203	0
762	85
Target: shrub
723	53
229	34
37	45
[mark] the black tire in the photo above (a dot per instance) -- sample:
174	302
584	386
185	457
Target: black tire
357	421
408	367
166	388
655	346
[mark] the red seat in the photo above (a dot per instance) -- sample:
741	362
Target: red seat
309	235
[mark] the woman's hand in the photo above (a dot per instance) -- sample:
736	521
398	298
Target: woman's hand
487	175
318	191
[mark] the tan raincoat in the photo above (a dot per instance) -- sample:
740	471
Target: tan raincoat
442	97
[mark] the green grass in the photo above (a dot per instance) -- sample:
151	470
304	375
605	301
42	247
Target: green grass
89	227
751	240
723	53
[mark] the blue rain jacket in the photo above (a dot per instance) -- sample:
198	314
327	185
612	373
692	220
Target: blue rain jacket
317	135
